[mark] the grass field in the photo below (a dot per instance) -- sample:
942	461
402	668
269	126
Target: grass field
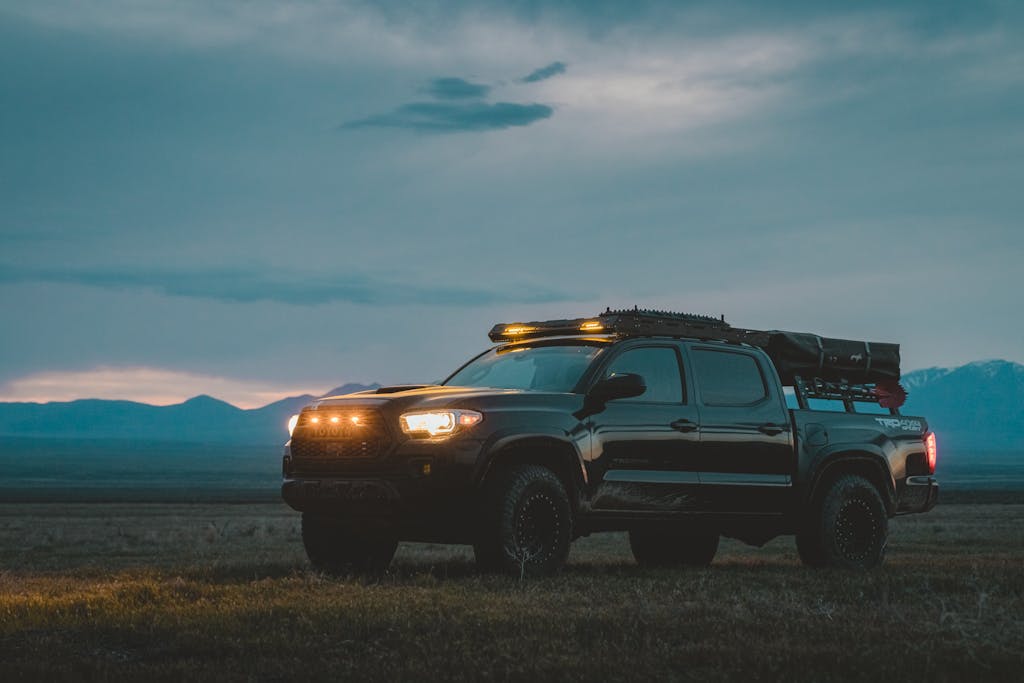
205	591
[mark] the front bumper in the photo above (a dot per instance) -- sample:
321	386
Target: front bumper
918	494
423	490
431	512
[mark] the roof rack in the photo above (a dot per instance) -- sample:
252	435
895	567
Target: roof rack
795	354
888	394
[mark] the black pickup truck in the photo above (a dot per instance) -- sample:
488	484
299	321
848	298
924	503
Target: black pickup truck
672	427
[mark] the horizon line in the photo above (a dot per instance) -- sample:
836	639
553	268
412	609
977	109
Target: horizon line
178	401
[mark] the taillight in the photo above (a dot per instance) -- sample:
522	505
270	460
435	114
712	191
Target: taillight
933	451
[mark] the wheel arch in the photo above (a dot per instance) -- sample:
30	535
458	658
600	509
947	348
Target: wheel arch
862	462
554	452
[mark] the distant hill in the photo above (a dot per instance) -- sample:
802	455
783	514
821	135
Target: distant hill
976	407
199	419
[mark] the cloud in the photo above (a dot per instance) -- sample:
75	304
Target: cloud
304	289
644	70
156	386
445	117
474	115
545	72
457	89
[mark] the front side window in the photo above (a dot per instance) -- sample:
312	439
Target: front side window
727	378
659	366
534	368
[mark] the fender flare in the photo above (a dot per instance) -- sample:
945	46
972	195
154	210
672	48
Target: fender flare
500	441
837	456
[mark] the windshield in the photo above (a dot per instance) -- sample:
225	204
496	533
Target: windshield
537	368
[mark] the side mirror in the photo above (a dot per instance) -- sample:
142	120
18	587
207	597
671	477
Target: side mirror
626	385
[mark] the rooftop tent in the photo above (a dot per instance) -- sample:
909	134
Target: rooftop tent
808	355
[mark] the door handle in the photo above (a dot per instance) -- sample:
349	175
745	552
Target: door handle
683	425
770	429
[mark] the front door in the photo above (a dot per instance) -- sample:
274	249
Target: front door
647	446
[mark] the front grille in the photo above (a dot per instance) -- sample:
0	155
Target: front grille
326	437
348	448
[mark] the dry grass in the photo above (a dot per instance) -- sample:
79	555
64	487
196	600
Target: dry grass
167	592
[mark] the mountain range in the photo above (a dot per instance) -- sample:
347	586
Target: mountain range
978	406
201	419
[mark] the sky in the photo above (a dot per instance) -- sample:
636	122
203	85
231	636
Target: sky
260	199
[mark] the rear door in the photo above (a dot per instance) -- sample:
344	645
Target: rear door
647	446
746	450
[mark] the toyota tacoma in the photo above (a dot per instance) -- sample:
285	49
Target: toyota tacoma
678	429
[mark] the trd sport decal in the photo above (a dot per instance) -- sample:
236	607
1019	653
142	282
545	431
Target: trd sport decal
896	423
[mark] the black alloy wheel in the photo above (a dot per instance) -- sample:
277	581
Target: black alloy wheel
526	522
848	528
857	527
537	525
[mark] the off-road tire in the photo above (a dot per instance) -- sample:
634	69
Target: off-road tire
849	528
525	524
334	549
660	548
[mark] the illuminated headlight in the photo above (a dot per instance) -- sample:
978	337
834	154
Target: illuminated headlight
437	423
292	421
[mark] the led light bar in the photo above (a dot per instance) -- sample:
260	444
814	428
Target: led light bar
636	322
507	332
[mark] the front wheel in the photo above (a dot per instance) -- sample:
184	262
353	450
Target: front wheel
335	549
526	523
849	528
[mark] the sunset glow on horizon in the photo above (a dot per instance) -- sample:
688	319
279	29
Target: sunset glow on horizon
146	385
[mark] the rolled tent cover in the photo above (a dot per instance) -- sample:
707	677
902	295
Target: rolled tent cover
834	360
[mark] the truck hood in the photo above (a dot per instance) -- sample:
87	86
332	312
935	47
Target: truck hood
405	397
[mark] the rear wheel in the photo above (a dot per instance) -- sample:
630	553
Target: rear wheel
333	548
526	523
850	527
667	549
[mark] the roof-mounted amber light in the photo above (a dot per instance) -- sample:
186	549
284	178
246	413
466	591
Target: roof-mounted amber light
518	330
592	326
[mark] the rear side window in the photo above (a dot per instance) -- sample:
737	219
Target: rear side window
659	366
727	378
